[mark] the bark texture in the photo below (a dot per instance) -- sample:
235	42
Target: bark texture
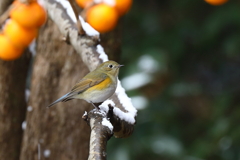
12	105
12	101
4	5
59	130
100	134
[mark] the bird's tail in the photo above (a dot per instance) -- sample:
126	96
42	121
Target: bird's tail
64	98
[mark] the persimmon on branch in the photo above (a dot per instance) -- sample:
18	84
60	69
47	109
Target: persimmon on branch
118	119
21	29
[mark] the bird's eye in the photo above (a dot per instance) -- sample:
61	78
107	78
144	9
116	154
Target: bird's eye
110	66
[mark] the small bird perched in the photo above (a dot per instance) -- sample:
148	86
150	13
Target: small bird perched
96	86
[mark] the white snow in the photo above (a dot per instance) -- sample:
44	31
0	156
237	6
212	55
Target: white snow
29	108
32	47
104	105
106	122
85	114
42	3
24	125
127	104
46	153
103	56
39	151
87	28
68	8
27	94
109	2
128	117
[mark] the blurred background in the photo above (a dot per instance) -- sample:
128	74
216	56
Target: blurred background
182	71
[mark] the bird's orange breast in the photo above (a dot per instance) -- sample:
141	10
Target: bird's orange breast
101	86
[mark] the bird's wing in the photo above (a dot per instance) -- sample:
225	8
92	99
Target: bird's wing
86	83
80	87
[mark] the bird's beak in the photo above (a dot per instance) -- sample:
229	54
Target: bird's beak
120	66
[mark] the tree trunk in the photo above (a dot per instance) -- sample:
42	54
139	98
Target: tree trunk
12	105
59	132
12	101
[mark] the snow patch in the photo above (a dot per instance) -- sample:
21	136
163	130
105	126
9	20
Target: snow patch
128	116
46	153
24	125
85	114
109	2
29	108
127	104
42	3
27	94
32	47
106	122
104	106
103	56
68	8
87	28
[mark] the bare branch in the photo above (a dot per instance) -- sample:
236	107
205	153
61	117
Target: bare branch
5	8
5	15
100	134
89	5
4	5
79	25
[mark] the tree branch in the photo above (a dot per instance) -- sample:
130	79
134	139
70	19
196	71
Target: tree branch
4	10
100	134
79	25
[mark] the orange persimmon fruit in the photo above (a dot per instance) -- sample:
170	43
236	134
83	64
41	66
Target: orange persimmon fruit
7	50
28	15
102	17
216	2
123	6
18	35
83	3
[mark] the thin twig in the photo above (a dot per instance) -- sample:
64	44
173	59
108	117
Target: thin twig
5	15
39	151
25	1
79	25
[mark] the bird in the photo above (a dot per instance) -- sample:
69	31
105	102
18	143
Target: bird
96	87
